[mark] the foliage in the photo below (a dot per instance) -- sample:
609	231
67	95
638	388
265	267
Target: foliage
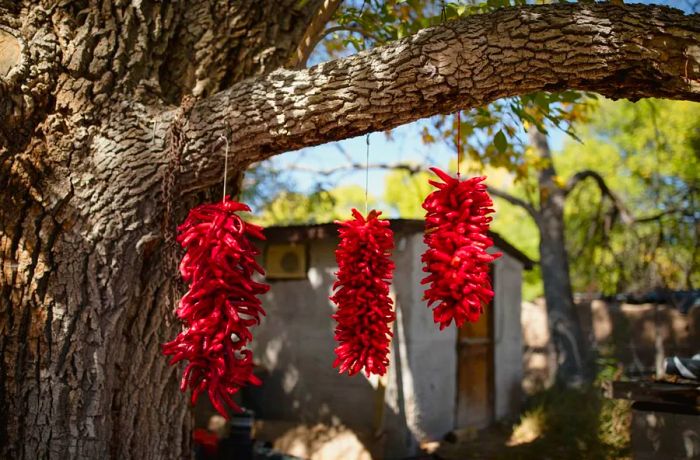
404	193
320	206
558	422
494	135
649	153
490	134
263	183
574	423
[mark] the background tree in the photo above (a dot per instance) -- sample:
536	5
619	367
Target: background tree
320	206
113	117
630	185
649	154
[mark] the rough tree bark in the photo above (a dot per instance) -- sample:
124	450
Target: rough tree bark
86	288
94	98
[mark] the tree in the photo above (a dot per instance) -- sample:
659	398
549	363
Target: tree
648	154
113	121
635	174
548	214
626	193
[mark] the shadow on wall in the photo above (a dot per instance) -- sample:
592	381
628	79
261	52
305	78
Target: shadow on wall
636	336
304	406
294	349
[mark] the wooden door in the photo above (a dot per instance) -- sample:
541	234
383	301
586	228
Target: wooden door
475	373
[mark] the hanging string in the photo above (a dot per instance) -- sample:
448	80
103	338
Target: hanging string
443	19
366	173
225	166
459	141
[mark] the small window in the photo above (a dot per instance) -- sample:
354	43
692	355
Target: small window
285	261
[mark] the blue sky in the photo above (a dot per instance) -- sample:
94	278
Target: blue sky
405	145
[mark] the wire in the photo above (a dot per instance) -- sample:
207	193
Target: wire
459	141
366	173
225	166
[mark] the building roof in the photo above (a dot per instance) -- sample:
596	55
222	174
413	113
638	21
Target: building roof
299	233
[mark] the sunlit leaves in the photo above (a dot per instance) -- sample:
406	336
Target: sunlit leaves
647	153
500	141
404	193
493	134
319	206
369	23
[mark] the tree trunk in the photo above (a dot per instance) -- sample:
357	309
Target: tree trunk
564	325
100	142
87	284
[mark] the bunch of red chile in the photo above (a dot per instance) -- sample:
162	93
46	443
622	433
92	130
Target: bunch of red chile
221	304
456	233
365	312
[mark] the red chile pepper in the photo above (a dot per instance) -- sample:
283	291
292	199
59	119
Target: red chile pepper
221	304
365	310
456	233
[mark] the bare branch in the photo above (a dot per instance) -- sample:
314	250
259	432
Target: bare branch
343	152
332	30
631	51
620	208
580	176
410	168
314	33
661	214
512	199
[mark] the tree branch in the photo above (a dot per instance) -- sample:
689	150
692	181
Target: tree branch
661	214
580	176
314	33
625	215
630	51
410	168
331	30
514	200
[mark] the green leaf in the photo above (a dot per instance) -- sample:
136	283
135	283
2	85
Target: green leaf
451	11
500	141
570	96
542	100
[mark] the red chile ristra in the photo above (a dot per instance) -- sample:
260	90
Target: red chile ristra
456	233
221	304
365	310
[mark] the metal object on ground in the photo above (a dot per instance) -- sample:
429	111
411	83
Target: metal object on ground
688	368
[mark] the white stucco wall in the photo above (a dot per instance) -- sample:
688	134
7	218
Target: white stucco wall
508	346
423	380
295	344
